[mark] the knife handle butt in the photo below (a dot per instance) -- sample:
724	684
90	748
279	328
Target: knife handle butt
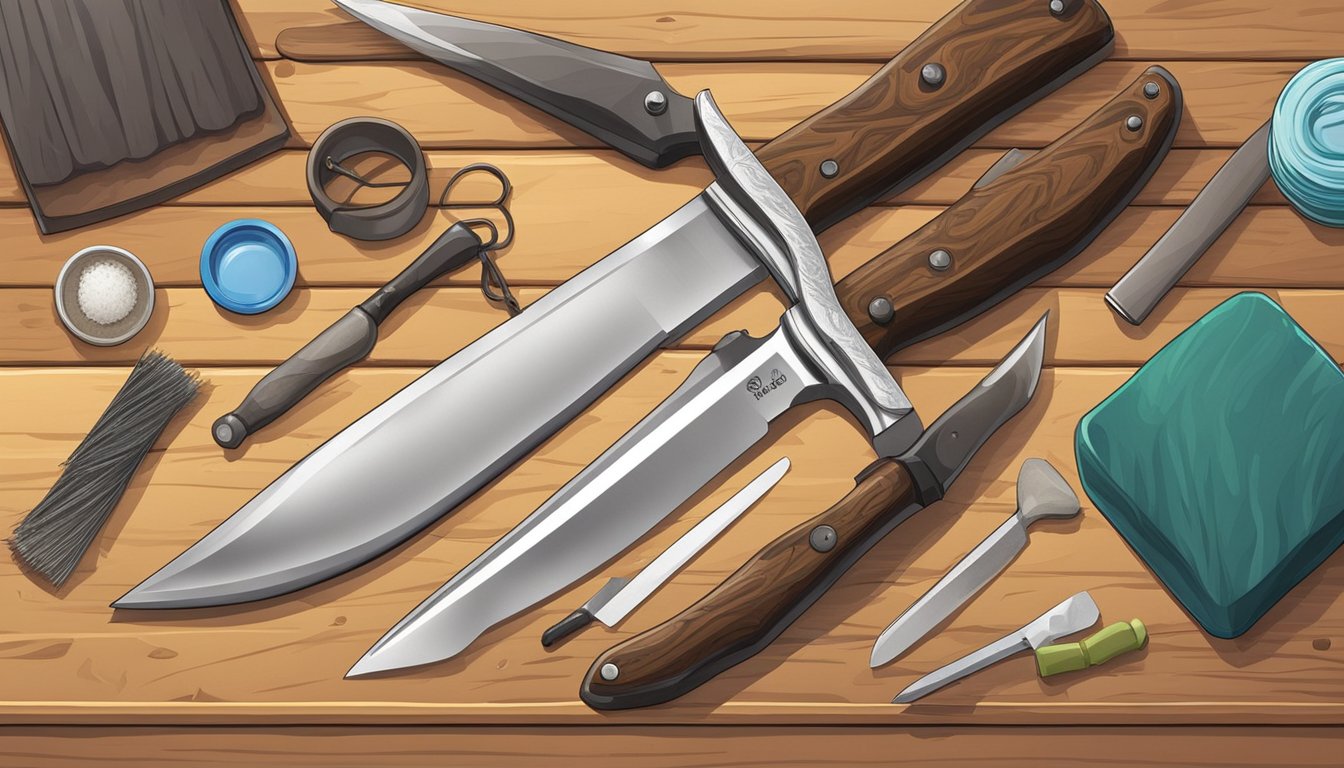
1106	644
1014	229
977	66
566	627
756	603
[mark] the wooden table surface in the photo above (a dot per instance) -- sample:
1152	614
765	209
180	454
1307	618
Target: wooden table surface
263	682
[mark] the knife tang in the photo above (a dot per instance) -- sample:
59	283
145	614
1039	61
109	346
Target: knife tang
748	610
1025	223
970	71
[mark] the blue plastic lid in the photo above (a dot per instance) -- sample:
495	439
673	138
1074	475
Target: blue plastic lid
1306	142
248	266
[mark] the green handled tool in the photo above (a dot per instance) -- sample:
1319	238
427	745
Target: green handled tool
1106	644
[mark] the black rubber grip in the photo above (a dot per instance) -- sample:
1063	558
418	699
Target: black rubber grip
344	343
566	627
453	250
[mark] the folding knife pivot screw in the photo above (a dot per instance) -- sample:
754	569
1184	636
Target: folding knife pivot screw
933	75
1057	7
822	538
655	102
830	168
1134	122
1151	90
940	260
880	310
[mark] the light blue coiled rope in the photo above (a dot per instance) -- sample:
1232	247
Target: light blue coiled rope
1306	142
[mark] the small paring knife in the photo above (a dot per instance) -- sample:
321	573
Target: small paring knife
1041	493
1073	615
619	596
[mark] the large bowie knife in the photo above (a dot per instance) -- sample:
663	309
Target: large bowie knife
1011	229
429	447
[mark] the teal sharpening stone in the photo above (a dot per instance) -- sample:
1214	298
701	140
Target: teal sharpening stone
1221	461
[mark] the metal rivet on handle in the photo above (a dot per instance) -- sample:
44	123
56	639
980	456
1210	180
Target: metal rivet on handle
223	433
880	310
609	671
1134	122
933	75
1151	90
1057	7
830	168
655	103
822	538
940	260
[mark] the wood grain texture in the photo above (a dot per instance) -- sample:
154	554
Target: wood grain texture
1187	699
609	179
444	110
282	660
847	30
752	606
620	747
996	57
1017	227
437	322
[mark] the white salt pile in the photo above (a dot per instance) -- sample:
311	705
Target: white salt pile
107	292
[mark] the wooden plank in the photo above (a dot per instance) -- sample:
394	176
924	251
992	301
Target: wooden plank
672	747
1266	246
606	177
869	30
438	322
282	660
1225	101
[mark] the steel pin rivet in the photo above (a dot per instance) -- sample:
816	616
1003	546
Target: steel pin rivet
880	310
609	671
940	260
933	74
224	432
822	538
1134	122
1151	90
1057	7
830	168
655	103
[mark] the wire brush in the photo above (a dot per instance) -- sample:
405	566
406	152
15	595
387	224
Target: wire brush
53	538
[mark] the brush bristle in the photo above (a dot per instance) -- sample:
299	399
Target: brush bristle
53	538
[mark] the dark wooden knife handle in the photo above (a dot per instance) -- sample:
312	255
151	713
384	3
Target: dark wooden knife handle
995	57
749	610
1016	228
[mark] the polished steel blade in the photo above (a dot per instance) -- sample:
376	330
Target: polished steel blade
620	604
1073	615
433	444
967	578
721	410
602	93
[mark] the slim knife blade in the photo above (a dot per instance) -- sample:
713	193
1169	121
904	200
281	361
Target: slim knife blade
967	578
1041	493
1073	615
619	596
674	557
621	101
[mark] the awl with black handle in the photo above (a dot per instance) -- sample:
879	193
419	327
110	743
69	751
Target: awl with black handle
345	342
446	435
1013	227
